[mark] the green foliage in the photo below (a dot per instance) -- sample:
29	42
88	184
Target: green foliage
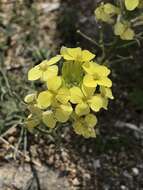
19	45
11	106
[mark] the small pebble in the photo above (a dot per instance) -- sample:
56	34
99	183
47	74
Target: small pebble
123	187
135	171
51	160
75	182
87	176
83	148
57	156
11	139
1	183
96	164
90	150
64	156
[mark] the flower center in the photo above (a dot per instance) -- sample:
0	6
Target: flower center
72	73
43	66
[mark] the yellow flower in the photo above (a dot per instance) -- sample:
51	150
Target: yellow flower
76	54
82	88
124	30
32	122
96	75
45	69
106	92
55	92
60	92
105	12
44	99
34	119
72	73
85	99
59	113
54	83
85	126
30	98
63	95
63	112
131	4
49	119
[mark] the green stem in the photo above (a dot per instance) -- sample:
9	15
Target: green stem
3	72
121	4
88	38
138	24
101	43
121	59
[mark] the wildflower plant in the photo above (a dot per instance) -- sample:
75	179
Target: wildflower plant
125	16
75	89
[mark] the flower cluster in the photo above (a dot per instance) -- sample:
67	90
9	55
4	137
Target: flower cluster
123	24
74	91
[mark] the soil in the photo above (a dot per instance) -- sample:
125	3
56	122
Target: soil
112	161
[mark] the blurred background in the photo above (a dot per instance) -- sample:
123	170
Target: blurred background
33	30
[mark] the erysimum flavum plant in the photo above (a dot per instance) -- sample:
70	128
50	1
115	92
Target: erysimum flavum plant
75	89
125	16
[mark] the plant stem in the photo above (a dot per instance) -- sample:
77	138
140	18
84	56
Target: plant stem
88	38
101	43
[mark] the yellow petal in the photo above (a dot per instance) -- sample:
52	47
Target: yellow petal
102	15
119	28
32	122
30	98
104	82
75	53
131	4
98	12
43	65
50	72
71	53
111	9
78	127
63	95
101	70
89	133
54	60
44	99
81	129
91	120
88	81
82	109
106	92
128	34
36	112
54	83
76	95
88	92
89	67
63	113
97	102
87	55
94	68
64	53
34	73
48	119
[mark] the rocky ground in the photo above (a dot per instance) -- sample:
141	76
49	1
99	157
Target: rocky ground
112	161
13	176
